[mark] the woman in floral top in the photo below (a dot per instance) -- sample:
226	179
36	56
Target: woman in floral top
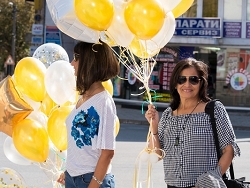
91	124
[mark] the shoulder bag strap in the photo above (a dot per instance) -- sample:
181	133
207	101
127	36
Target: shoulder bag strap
209	109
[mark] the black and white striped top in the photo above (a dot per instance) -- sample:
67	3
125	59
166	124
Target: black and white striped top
196	152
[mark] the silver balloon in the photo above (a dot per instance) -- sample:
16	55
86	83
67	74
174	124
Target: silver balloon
48	53
11	178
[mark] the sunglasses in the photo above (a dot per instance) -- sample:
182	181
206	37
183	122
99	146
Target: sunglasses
76	56
194	80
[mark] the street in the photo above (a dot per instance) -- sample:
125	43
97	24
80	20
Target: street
131	140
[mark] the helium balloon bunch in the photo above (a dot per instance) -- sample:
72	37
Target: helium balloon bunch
36	101
143	27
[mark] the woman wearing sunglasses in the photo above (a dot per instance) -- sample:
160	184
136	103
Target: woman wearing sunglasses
91	124
185	133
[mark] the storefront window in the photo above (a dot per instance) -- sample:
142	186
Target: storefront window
232	85
210	8
229	75
232	9
248	10
192	11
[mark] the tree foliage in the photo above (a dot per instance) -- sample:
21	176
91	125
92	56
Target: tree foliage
24	20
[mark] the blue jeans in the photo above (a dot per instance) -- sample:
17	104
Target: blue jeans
83	181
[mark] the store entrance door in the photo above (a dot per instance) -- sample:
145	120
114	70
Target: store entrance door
211	60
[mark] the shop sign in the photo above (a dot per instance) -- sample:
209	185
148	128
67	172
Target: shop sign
198	27
52	35
37	40
237	76
232	29
37	29
248	30
238	80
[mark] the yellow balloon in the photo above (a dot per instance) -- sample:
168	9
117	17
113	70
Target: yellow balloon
47	104
117	126
139	50
57	128
29	77
108	86
95	14
31	140
182	7
144	18
68	103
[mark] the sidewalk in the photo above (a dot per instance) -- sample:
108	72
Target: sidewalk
133	115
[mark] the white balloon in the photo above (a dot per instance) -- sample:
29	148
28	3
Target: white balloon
73	99
153	45
39	117
144	156
118	30
169	25
35	105
48	53
153	157
60	81
64	17
12	154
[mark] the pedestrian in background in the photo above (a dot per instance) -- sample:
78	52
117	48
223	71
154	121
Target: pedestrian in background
91	124
185	132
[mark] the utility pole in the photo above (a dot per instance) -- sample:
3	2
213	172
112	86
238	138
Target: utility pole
10	68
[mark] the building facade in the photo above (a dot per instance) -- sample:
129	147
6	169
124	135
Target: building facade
214	31
228	54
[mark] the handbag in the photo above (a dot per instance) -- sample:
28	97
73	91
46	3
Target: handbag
230	183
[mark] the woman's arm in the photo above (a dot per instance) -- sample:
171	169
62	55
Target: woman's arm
153	118
61	179
226	158
101	167
226	137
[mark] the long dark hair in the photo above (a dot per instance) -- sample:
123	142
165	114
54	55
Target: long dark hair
202	70
97	62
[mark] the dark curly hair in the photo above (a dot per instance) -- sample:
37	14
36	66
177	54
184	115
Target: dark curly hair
202	70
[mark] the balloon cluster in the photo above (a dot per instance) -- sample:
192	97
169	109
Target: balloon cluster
35	102
138	25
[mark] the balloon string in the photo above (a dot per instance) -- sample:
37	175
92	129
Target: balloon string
149	174
52	168
137	172
142	72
